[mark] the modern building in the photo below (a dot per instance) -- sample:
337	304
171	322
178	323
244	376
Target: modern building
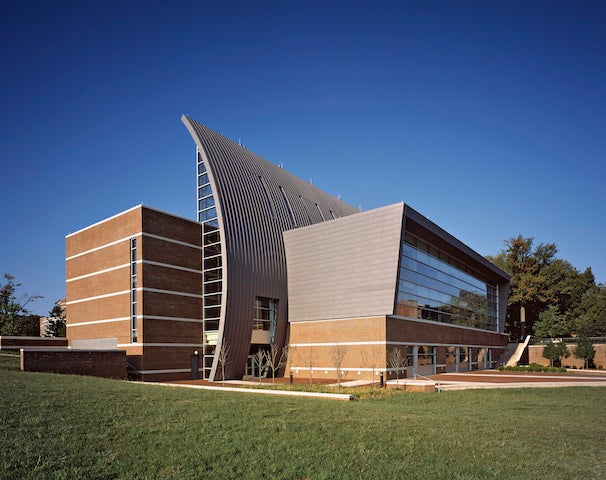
273	260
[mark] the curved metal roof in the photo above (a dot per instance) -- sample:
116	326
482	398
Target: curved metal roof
256	201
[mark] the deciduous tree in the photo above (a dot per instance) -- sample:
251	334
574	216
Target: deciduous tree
551	323
591	320
584	350
538	280
224	359
15	318
276	359
554	350
337	356
397	361
56	326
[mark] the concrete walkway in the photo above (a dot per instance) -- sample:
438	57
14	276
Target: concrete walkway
496	379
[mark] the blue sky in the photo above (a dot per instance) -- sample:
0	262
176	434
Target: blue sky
487	117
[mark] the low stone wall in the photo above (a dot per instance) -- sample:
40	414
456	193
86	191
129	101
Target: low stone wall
535	355
17	343
96	363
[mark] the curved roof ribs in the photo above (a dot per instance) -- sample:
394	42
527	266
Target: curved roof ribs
255	201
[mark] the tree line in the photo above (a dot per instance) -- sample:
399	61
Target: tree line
16	318
548	296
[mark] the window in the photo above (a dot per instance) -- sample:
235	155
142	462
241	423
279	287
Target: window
463	354
321	214
133	292
427	355
270	204
288	208
266	315
443	289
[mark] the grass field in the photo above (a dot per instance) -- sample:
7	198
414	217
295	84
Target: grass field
55	426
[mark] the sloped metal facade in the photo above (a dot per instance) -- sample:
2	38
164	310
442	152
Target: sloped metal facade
255	202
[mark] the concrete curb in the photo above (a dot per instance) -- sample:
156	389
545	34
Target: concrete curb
326	396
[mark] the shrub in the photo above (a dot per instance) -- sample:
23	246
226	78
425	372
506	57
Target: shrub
533	367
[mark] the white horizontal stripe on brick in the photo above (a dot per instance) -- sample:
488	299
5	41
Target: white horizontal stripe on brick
169	292
103	221
419	344
168	370
94	322
145	344
167	265
98	272
101	247
88	299
171	319
171	240
134	235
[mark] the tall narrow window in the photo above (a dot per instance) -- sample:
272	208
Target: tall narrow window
266	315
321	214
212	282
288	207
268	197
133	293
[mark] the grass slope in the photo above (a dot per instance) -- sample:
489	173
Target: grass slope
55	426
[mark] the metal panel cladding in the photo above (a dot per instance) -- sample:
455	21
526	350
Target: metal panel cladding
256	201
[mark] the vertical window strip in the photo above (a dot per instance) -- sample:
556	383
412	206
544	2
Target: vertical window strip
288	207
133	276
321	214
272	211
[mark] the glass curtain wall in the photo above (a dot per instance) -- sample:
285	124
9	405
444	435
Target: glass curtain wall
212	266
435	286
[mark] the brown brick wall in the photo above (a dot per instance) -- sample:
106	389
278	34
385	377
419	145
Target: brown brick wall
161	358
97	363
535	355
171	279
112	256
121	226
139	222
166	225
101	284
119	330
400	330
171	253
100	309
379	329
165	305
170	331
350	330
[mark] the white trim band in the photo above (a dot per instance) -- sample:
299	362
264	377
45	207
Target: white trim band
145	344
98	272
167	370
107	295
167	265
94	322
134	235
171	319
419	344
169	292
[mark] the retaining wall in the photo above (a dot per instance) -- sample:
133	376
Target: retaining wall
96	363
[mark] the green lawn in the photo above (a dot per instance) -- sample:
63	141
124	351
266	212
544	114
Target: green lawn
55	426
